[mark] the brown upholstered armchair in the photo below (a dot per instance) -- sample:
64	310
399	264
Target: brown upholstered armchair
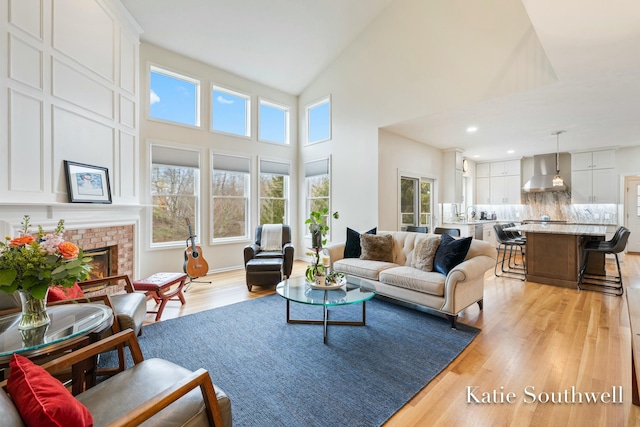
253	250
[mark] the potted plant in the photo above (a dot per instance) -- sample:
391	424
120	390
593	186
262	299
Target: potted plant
318	229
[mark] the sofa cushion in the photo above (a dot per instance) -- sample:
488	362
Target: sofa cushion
450	253
414	279
377	247
362	268
41	399
352	247
425	252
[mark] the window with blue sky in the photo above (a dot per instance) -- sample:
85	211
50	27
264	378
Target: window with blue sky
174	97
273	122
230	112
319	121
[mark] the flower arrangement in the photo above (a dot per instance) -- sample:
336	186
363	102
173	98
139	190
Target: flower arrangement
33	264
318	229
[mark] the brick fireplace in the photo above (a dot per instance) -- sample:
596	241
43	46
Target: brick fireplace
117	240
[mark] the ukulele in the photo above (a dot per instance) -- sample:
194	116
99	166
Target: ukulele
194	263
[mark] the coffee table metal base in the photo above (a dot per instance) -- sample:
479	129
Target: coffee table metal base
325	319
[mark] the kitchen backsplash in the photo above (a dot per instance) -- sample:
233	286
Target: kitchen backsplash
555	204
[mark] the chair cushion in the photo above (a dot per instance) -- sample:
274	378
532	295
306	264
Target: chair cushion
450	253
130	309
10	415
119	394
41	399
59	293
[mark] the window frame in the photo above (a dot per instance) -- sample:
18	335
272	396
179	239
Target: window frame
180	76
307	233
247	197
197	187
287	121
418	179
247	97
286	189
308	109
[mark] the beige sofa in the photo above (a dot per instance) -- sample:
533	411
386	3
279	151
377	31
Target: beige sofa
450	294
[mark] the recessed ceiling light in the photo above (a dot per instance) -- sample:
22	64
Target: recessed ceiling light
471	129
510	152
476	156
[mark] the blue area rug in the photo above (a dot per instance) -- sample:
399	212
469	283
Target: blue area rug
279	374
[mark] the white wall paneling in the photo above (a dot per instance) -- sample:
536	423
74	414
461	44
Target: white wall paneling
80	90
26	148
25	62
128	171
27	15
127	112
82	140
128	63
76	21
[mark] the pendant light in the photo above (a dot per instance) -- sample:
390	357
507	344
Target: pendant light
557	179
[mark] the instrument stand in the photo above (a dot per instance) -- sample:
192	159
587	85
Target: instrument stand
186	287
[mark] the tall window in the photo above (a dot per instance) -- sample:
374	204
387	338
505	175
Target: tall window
273	122
174	97
318	188
174	193
230	112
416	202
230	196
318	117
274	192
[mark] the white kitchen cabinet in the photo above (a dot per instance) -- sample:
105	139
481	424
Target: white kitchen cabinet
594	178
505	190
605	159
502	184
488	233
508	167
483	170
483	191
452	177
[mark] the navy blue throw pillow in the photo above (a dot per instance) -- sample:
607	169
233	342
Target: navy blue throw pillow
450	253
352	247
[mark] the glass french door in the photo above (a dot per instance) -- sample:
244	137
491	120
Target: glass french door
416	202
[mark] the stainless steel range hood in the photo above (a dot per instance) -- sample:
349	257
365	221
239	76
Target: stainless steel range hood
544	169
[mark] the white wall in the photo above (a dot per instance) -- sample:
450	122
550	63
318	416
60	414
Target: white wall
68	91
400	154
225	256
416	58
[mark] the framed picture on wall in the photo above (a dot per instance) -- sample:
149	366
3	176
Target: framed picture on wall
87	183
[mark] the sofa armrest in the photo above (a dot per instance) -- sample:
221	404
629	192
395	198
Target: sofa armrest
465	283
336	252
287	265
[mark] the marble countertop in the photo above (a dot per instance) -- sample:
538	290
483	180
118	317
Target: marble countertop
472	222
575	229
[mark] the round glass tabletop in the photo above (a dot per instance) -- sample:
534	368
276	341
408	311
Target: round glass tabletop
67	321
355	291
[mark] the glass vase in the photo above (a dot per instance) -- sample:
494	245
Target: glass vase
34	311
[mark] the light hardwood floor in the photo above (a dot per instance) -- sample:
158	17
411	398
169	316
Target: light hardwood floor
535	338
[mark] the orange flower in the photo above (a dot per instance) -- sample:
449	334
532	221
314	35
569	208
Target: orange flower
68	250
21	241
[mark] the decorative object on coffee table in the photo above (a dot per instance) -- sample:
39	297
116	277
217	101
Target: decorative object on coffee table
318	228
31	264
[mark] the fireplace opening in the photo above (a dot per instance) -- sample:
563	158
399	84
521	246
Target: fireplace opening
101	263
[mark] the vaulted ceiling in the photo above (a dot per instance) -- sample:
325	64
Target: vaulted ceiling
593	47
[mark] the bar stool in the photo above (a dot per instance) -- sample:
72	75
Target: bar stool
512	270
602	282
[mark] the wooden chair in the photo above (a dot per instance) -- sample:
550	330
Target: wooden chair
145	389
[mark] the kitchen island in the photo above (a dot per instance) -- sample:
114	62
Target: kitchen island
554	252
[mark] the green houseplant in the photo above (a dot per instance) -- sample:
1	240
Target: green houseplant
318	228
29	265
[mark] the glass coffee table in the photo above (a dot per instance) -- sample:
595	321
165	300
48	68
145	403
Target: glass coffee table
355	291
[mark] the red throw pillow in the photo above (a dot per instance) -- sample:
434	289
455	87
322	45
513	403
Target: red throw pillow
59	293
41	399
